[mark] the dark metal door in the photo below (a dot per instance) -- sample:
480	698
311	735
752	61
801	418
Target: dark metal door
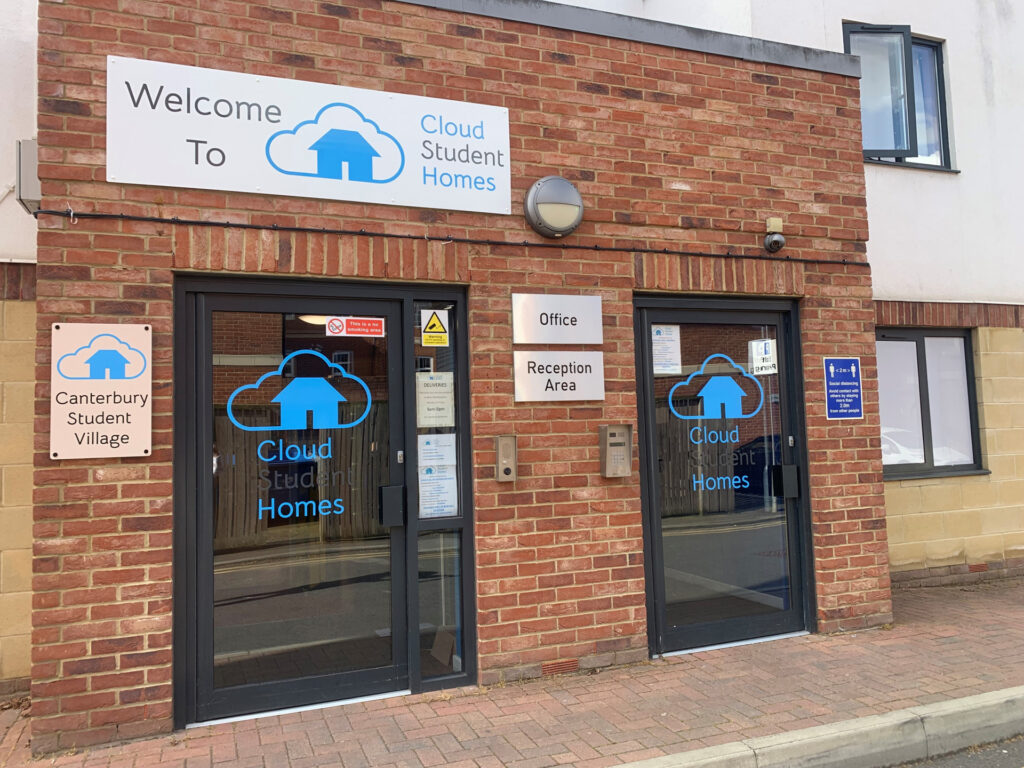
722	451
299	562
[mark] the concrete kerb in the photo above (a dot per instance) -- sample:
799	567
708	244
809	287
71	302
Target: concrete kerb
869	742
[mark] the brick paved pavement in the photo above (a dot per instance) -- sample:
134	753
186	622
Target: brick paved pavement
948	642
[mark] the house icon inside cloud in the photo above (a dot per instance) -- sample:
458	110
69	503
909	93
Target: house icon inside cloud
722	396
105	357
340	143
309	399
306	401
338	149
107	364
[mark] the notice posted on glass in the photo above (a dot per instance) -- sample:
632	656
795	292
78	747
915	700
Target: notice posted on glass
438	476
665	353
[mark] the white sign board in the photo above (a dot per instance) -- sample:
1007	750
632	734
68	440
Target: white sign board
178	126
550	376
666	356
435	399
438	476
101	391
539	318
763	359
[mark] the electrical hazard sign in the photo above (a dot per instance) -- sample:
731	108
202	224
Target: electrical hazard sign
434	324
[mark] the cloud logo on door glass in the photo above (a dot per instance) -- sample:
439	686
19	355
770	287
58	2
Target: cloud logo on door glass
303	399
725	392
340	143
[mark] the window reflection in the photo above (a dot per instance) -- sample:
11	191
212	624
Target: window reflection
927	106
301	566
723	528
440	603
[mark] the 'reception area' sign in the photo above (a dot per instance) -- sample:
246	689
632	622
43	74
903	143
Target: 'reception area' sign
101	391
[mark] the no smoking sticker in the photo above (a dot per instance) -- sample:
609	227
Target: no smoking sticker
434	323
355	326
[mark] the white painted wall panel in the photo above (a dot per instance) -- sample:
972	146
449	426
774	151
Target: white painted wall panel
17	121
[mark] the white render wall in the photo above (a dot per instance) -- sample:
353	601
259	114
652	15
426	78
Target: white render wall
934	236
17	121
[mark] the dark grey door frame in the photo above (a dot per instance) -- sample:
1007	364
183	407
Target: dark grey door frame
696	311
193	340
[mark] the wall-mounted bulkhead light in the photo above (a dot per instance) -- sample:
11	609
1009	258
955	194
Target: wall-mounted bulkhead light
553	207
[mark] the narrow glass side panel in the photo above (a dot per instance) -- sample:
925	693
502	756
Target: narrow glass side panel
440	580
437	437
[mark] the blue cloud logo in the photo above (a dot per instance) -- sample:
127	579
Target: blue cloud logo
722	396
304	399
104	357
339	143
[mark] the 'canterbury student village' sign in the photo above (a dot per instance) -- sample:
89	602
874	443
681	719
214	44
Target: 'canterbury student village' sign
178	126
101	391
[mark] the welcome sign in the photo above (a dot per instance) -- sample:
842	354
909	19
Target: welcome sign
178	126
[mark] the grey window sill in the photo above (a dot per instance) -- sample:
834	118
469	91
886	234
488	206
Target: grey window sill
918	166
929	474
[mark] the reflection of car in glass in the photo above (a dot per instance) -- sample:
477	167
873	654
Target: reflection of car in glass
755	460
895	448
288	481
901	446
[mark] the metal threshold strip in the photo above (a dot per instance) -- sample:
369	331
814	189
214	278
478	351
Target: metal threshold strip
290	710
733	645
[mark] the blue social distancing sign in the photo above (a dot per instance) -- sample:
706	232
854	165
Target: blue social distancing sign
843	394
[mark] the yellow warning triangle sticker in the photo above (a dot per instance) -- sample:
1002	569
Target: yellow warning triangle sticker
434	325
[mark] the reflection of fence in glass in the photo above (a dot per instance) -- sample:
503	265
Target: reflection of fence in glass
679	460
358	466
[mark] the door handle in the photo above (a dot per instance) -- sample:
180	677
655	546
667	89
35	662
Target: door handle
392	506
786	480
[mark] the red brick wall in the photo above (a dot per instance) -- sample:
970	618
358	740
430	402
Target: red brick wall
670	149
17	281
942	315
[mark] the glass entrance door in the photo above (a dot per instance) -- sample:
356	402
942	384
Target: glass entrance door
722	477
300	588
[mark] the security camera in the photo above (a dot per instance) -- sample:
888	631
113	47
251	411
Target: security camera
774	242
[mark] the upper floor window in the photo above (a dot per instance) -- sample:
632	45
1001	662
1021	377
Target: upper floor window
902	92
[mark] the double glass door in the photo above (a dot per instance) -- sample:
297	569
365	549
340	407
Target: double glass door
722	482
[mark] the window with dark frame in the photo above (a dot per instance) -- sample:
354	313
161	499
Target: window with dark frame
927	402
903	95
